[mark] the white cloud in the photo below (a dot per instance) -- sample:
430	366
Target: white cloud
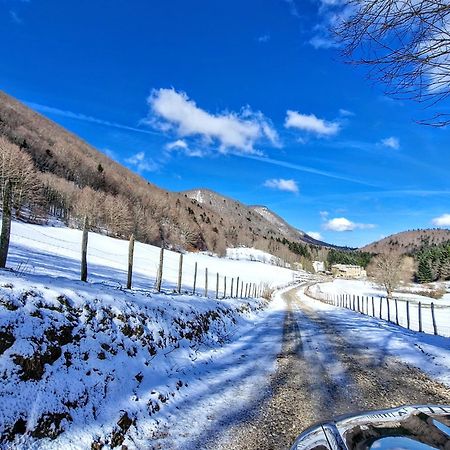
172	110
342	224
181	145
324	214
323	40
282	184
315	235
264	38
310	123
346	113
391	142
141	163
442	221
177	144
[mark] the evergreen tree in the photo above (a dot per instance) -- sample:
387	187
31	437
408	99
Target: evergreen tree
424	273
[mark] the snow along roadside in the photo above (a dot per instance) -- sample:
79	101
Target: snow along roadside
429	353
83	364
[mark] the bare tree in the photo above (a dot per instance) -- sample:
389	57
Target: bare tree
389	270
18	182
405	42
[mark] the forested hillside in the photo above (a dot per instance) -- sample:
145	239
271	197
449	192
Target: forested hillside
408	241
56	174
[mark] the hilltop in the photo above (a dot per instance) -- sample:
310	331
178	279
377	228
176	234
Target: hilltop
408	241
266	220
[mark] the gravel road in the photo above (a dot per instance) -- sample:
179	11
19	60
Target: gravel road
320	375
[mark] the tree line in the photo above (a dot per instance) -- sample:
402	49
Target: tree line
433	263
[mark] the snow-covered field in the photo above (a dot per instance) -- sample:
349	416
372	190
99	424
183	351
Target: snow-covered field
429	353
253	254
91	364
367	289
56	251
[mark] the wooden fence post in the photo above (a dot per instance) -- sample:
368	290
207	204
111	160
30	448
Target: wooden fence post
420	317
217	285
237	287
160	270
433	318
130	261
396	311
225	286
195	279
180	272
373	307
381	307
232	287
206	282
358	305
388	309
242	287
6	224
84	244
407	314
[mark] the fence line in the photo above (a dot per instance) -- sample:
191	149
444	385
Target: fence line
415	316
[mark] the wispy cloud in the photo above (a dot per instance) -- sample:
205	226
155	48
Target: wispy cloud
341	224
263	39
85	118
292	7
442	221
182	146
307	169
282	185
346	113
310	123
173	111
141	163
391	142
15	17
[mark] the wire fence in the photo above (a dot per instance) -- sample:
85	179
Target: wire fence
144	267
423	316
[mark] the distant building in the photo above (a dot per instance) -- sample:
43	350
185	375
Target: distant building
347	271
319	266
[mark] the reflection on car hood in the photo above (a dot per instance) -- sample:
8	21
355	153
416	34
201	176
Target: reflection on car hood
408	427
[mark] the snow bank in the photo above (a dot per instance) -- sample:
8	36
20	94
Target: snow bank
88	365
429	353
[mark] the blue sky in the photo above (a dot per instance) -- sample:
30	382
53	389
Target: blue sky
246	98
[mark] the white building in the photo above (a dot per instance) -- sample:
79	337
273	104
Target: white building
347	271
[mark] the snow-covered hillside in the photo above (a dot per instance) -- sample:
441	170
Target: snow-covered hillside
253	254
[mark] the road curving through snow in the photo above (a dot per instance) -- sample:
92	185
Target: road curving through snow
328	366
